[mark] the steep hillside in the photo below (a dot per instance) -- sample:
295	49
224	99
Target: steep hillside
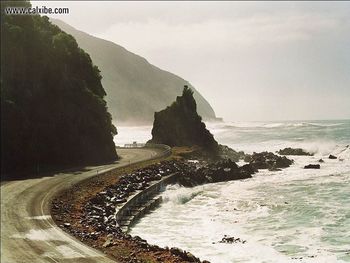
52	108
135	88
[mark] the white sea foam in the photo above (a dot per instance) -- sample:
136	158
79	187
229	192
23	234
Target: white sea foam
274	222
293	215
285	124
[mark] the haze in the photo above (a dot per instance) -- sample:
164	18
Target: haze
250	60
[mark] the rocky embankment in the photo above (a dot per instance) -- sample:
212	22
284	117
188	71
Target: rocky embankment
97	224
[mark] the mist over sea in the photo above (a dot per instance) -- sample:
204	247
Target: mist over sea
293	215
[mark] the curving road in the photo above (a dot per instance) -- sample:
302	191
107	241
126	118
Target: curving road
28	233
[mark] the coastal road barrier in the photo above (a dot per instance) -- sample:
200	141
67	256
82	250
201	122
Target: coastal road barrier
142	202
165	149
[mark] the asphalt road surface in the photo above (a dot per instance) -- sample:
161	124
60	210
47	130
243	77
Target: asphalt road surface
28	233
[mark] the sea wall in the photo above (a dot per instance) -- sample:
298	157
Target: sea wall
139	204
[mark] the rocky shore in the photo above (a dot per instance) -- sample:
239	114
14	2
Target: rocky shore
293	151
94	220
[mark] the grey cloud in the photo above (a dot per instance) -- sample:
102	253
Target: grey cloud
251	60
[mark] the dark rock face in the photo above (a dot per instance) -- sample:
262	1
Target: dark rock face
267	160
180	125
293	151
220	171
228	153
184	255
312	166
332	157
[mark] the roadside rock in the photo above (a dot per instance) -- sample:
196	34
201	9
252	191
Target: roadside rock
191	258
108	243
176	251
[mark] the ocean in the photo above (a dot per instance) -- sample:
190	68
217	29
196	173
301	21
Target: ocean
293	215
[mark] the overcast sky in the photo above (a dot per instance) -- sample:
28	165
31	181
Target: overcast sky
250	60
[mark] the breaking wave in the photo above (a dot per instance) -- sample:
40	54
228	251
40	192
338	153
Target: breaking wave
293	215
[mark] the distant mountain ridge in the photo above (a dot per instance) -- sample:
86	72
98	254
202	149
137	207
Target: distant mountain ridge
135	88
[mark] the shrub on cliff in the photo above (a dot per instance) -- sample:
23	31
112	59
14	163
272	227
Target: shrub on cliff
52	107
180	125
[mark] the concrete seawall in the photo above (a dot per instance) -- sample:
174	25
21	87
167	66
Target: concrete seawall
139	204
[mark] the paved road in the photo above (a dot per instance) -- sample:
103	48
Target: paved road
28	233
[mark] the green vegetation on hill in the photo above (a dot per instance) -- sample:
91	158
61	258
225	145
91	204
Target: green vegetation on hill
180	125
135	88
52	107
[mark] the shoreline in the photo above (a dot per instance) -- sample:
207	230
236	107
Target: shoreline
126	249
93	216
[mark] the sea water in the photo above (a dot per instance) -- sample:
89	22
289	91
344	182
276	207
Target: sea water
293	215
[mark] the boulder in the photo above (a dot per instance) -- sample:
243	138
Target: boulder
108	242
293	151
190	257
312	166
268	160
332	156
176	251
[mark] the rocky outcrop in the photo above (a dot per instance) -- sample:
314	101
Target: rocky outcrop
180	125
220	171
226	152
267	160
312	166
293	151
